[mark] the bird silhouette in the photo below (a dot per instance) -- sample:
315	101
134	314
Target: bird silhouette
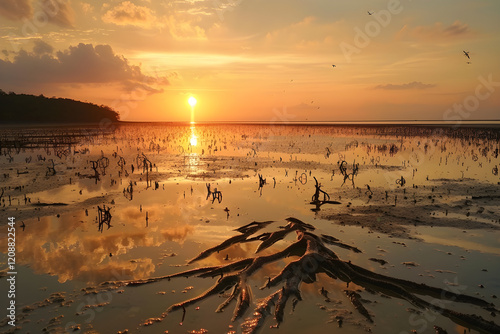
370	13
466	53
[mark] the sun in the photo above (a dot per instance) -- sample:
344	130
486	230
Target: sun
192	101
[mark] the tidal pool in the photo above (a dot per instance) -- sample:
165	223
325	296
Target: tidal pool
422	199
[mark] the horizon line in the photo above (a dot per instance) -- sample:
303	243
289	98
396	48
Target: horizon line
367	122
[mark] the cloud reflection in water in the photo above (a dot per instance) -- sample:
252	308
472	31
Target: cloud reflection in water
67	247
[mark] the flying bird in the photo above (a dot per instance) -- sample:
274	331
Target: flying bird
333	66
369	13
23	226
466	53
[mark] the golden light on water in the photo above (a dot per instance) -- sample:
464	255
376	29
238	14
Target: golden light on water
193	140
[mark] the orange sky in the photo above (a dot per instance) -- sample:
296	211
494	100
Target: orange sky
256	60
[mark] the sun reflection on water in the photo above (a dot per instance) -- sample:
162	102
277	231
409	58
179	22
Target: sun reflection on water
193	140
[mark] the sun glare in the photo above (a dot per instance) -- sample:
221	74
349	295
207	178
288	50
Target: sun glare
193	140
192	101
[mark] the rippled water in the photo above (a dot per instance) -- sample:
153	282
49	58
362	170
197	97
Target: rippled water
448	209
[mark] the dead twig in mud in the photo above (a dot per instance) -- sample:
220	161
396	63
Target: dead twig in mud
216	195
147	166
346	175
209	192
51	169
104	217
262	182
368	191
102	163
129	191
94	166
121	162
315	198
314	257
62	151
401	181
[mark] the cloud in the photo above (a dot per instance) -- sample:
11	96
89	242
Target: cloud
42	47
81	64
185	28
126	13
456	29
438	31
410	85
70	252
308	34
16	9
87	8
58	12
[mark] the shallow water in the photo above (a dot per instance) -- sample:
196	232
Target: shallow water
444	219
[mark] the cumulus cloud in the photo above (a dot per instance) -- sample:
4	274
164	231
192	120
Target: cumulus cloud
42	47
410	85
127	13
67	251
183	19
81	64
16	9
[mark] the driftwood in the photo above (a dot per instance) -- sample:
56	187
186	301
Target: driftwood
314	257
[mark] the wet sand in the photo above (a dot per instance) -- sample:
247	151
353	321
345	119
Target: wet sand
449	184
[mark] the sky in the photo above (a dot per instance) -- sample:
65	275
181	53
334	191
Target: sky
256	60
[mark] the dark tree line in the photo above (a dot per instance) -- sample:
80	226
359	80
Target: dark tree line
31	109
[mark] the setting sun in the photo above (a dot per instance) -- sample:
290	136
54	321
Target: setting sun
192	101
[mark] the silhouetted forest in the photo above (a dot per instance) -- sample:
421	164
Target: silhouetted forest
31	109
